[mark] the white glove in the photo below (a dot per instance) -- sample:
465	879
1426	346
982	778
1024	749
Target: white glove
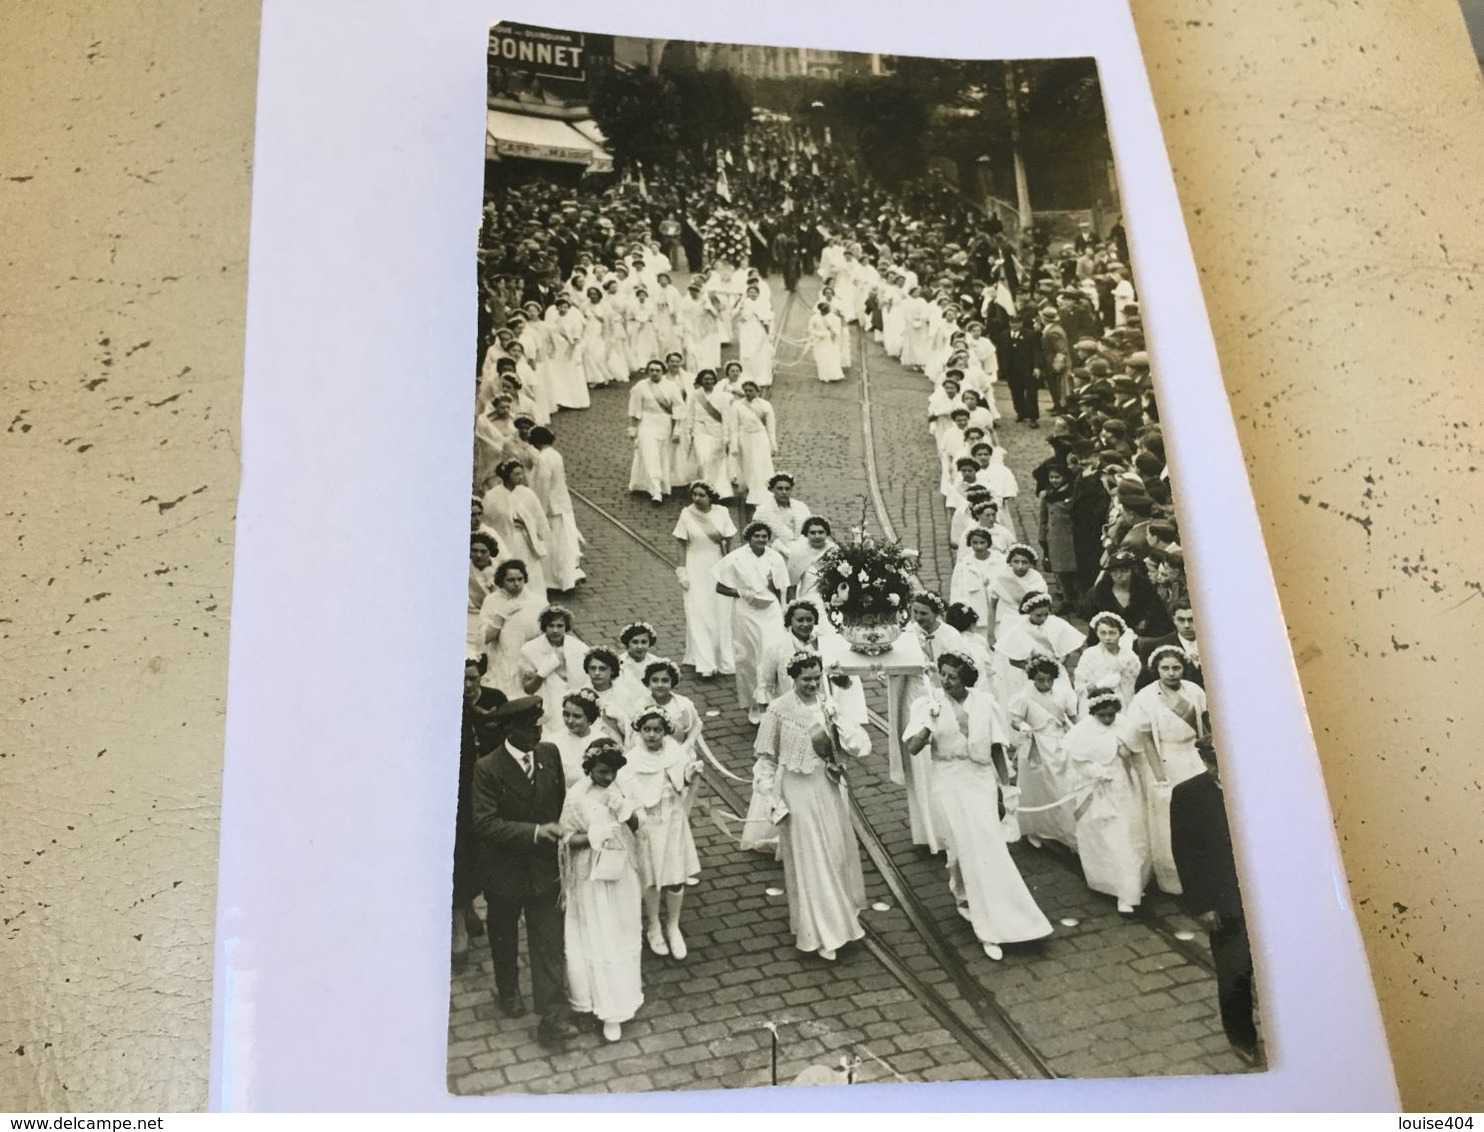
682	577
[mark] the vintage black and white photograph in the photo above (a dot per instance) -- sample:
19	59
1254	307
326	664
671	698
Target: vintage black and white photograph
834	704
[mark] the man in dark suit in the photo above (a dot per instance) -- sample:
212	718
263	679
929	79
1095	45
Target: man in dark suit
518	792
1201	843
1019	363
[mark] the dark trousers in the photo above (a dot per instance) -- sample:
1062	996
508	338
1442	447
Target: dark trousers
1025	396
1232	954
545	948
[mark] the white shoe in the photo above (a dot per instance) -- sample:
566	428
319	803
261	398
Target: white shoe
1125	908
612	1031
677	944
1035	842
963	910
657	942
994	951
827	953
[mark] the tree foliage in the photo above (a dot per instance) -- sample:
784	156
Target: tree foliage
678	115
890	119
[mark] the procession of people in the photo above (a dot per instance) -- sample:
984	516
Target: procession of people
1061	700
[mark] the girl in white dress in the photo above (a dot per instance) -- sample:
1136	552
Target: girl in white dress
643	335
513	512
1162	725
801	748
549	482
1112	838
565	328
754	341
973	575
700	330
1041	712
596	367
600	666
936	637
1010	588
706	532
637	638
661	678
601	893
1039	632
824	338
572	733
509	617
660	778
755	577
752	442
1111	663
551	663
964	735
705	428
654	406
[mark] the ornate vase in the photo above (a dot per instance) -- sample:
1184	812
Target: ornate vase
871	634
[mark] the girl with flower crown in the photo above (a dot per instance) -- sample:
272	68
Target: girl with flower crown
661	678
1041	713
637	639
600	669
660	779
601	892
1112	837
1111	663
573	732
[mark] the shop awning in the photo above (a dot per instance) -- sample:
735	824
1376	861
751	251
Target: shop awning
588	130
543	139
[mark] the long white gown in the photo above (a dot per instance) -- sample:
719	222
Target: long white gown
537	658
656	405
1112	835
549	482
517	619
708	617
701	333
603	919
786	524
752	438
565	363
1097	667
982	875
754	627
816	841
754	344
706	428
643	336
1168	757
519	522
825	342
1040	720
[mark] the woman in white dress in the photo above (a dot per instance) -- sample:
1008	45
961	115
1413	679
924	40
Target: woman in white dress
752	442
597	369
1162	725
1111	663
513	512
637	638
1041	712
784	514
654	405
643	341
549	482
551	662
1039	632
705	532
614	313
601	893
804	556
1112	837
667	315
705	426
600	666
936	637
915	330
700	330
509	617
961	730
824	339
572	733
482	551
754	341
803	742
565	329
755	577
660	778
661	678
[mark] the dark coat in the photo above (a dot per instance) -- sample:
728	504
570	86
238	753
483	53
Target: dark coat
507	807
1201	843
1090	505
1020	355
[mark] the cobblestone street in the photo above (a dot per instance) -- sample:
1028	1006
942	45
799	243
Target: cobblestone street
1104	996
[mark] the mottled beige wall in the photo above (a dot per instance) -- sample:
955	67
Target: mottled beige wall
1329	160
